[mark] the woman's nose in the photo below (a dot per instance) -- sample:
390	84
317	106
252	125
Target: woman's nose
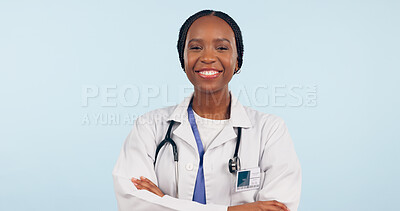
208	56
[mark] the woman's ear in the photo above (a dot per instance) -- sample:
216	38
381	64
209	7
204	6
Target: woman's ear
236	68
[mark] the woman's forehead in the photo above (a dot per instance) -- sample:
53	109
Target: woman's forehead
210	27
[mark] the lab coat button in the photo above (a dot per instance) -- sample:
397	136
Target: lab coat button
189	166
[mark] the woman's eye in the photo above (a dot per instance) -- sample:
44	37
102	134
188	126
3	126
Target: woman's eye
222	48
195	48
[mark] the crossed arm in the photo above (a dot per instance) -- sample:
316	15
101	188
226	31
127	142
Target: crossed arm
145	184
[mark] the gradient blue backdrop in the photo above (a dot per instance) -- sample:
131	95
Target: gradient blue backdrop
50	51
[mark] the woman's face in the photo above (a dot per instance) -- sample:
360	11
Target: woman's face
210	54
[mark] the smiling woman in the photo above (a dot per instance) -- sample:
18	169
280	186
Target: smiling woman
210	56
231	157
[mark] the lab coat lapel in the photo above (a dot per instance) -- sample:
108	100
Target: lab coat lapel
238	118
183	130
227	134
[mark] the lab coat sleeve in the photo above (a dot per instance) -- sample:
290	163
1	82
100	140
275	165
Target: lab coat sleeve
280	166
135	160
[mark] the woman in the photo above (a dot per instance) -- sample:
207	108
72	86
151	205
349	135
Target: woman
213	134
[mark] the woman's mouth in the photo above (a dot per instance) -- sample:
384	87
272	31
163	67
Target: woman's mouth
208	74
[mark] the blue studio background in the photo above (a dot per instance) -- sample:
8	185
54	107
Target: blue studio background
75	74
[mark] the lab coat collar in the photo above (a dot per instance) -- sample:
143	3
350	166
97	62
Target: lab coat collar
238	118
238	115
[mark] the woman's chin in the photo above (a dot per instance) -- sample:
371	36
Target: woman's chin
209	89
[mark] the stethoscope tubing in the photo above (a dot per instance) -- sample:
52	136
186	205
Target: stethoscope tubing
234	163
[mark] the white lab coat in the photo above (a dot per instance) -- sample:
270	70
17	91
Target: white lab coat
265	143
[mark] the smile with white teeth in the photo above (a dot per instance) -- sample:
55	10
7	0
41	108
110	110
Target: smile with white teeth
209	72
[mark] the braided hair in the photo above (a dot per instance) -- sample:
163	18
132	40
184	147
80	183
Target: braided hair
235	28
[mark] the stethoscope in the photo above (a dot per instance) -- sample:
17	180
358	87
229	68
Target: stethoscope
233	166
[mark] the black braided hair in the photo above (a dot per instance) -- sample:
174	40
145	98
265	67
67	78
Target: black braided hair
235	28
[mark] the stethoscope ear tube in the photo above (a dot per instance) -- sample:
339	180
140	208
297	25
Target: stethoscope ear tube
238	143
167	139
174	149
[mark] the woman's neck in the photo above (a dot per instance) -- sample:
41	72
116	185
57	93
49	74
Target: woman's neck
212	105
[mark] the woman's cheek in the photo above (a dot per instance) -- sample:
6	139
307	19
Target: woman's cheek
190	62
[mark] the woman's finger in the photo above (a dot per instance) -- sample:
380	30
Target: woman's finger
274	205
146	184
152	186
136	183
141	185
279	204
147	180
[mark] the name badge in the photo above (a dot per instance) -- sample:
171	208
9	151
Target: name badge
248	179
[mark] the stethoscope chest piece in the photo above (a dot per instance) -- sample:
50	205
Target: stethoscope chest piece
234	164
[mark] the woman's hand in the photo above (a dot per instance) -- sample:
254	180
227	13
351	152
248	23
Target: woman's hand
260	206
145	184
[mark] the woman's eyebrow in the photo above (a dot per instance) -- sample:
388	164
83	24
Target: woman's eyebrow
222	39
215	40
195	40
